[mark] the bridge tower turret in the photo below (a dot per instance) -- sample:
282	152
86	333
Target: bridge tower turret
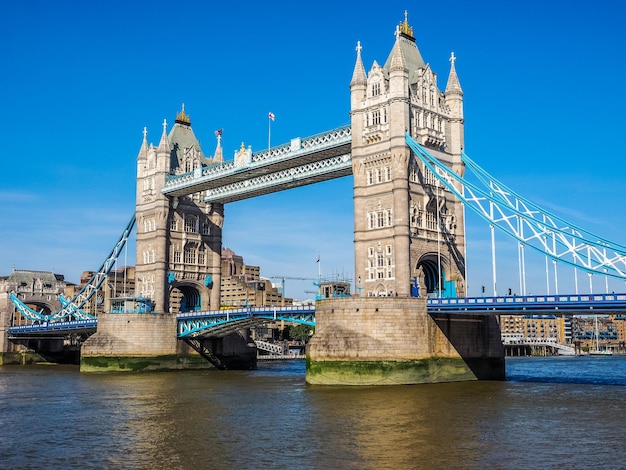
407	226
179	240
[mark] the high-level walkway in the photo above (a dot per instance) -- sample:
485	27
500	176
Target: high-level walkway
320	157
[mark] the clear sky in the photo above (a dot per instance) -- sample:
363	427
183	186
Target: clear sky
544	111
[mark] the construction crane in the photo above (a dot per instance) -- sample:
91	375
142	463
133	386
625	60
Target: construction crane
282	279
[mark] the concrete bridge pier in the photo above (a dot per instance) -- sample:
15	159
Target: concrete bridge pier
388	341
146	342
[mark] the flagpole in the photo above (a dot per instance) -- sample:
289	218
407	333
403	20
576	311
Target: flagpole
270	118
269	131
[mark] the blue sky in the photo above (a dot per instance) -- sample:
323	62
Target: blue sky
544	110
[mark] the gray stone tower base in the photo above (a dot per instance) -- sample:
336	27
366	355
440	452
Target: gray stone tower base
146	342
137	342
388	341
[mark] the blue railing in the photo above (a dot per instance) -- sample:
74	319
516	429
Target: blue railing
49	327
569	303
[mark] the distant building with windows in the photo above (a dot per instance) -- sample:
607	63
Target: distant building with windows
531	328
242	284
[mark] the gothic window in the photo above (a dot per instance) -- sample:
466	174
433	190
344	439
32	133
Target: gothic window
431	220
389	218
379	175
376	89
414	216
376	118
370	221
370	177
388	173
385	115
413	174
148	256
380	219
174	223
190	255
380	260
388	250
190	223
429	177
370	251
201	257
176	256
206	228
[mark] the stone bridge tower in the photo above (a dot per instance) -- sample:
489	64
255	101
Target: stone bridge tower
408	232
407	226
179	239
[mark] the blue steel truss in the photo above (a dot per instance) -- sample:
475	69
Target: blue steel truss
72	308
215	322
525	221
301	162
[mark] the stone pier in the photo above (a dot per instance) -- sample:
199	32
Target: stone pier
148	342
137	342
388	341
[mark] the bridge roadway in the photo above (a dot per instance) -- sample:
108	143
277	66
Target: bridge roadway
221	322
321	157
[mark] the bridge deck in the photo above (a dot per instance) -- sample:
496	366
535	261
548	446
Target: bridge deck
221	322
303	161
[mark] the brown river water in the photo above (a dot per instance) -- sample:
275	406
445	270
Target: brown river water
563	413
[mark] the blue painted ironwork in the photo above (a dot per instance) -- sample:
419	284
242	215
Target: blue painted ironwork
223	321
72	308
305	161
190	324
525	221
53	327
572	304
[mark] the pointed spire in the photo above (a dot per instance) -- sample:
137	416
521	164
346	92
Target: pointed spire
143	151
404	27
182	117
164	144
398	62
358	76
218	156
453	85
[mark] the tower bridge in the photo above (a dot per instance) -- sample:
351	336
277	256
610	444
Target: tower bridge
404	149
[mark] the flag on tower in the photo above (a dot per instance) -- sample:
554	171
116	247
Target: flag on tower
271	115
219	132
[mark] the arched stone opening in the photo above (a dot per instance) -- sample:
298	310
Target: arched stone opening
185	298
434	276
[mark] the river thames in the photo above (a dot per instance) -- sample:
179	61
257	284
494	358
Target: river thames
554	412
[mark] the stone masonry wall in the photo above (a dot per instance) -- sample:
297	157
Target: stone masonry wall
382	341
376	328
132	334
